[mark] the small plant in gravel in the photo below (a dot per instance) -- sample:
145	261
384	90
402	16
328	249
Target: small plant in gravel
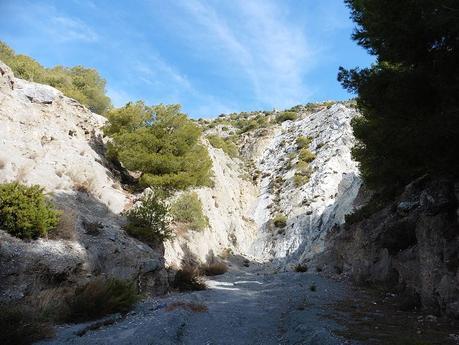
301	268
280	221
313	287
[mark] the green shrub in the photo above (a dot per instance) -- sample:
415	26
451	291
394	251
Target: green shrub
303	141
102	297
188	209
83	84
161	143
225	144
21	326
248	125
300	180
305	155
286	115
280	221
148	221
25	212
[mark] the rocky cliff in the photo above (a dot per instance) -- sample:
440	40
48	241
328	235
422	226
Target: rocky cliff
252	188
410	246
51	140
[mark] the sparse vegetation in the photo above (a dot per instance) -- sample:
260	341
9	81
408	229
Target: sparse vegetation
280	221
303	141
161	143
305	155
188	278
83	84
25	212
285	116
148	221
302	174
101	297
225	144
188	209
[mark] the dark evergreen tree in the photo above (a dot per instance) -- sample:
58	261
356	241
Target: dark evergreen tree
409	98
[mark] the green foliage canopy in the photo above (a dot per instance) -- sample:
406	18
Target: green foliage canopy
409	97
25	212
83	84
160	142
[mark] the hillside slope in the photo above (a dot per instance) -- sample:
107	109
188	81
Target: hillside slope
51	140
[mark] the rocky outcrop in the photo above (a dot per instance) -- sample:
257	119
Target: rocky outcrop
52	140
314	208
228	206
249	191
411	245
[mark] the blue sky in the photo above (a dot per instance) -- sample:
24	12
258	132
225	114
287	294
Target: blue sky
211	56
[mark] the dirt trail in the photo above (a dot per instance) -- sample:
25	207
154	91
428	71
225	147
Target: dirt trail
247	306
255	306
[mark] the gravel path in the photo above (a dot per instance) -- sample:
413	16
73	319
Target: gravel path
246	306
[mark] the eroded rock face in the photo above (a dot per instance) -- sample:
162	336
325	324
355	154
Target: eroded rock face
411	245
315	207
229	207
52	140
250	191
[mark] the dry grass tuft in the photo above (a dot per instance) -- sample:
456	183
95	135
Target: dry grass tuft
190	306
188	278
101	297
19	325
214	269
66	229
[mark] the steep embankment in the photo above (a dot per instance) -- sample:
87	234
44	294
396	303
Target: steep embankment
51	140
228	206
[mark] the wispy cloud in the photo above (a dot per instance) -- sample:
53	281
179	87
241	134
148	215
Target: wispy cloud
48	21
257	37
70	29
